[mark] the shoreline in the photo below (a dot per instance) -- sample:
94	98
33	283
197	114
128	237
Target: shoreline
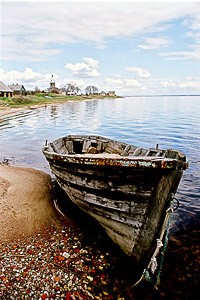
6	109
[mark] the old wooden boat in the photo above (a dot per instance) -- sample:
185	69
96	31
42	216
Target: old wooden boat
126	188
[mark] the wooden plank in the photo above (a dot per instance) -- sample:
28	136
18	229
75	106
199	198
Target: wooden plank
86	145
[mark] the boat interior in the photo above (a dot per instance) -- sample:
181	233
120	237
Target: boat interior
99	145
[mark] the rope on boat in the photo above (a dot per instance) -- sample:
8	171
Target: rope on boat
153	265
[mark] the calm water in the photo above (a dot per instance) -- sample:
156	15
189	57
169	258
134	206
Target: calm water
171	122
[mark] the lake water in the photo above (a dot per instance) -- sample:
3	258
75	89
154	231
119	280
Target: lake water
170	122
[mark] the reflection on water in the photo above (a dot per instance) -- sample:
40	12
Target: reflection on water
171	122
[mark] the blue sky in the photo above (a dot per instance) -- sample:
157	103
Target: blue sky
132	47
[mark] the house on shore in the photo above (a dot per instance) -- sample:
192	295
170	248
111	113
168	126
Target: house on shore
111	93
102	93
5	91
70	93
18	89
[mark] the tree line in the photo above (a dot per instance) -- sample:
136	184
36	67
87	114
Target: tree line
71	88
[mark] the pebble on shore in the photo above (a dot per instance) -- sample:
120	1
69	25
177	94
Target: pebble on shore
55	264
40	256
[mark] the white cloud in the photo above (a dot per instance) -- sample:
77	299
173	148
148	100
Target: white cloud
88	68
132	83
28	78
154	43
181	84
192	52
192	49
121	83
192	23
28	75
190	84
182	55
168	83
31	79
42	30
50	30
142	73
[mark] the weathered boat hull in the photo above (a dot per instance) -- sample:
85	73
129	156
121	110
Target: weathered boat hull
128	199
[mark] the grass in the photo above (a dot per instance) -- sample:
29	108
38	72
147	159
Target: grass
42	99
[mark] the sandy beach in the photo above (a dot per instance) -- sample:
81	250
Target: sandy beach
6	110
25	202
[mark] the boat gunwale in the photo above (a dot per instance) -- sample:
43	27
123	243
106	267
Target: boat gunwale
115	159
118	160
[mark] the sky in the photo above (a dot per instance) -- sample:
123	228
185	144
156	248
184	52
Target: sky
131	47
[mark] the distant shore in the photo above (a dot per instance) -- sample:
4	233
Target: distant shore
21	103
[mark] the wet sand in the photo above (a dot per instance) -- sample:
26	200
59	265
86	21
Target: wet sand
6	111
25	202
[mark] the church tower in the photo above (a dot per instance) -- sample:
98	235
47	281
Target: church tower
52	83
